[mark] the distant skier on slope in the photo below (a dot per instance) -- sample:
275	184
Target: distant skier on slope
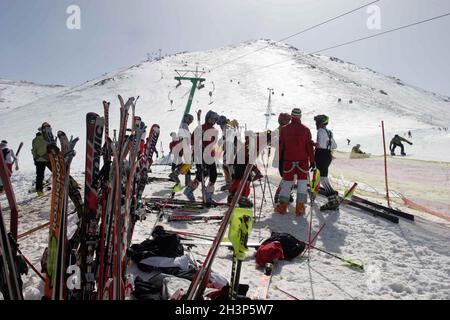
296	150
325	144
10	159
397	142
208	135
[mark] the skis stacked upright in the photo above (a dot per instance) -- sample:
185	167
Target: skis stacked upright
60	160
90	219
146	160
115	213
9	277
4	176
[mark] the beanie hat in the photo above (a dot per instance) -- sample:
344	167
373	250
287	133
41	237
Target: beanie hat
296	113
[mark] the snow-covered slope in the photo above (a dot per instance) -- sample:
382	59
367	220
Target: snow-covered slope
314	83
14	94
405	261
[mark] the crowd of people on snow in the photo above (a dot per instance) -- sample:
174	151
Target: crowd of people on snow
296	154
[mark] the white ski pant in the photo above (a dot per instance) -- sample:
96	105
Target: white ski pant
302	191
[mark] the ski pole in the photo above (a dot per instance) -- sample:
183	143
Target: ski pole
285	292
31	265
357	263
16	247
26	233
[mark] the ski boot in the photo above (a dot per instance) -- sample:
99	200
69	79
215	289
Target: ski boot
174	177
40	193
403	154
226	187
281	208
209	191
209	202
332	204
299	209
189	192
392	153
245	202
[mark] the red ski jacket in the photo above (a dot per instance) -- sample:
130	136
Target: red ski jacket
296	142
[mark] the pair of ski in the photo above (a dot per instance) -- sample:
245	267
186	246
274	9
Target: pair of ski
182	202
119	208
376	209
60	161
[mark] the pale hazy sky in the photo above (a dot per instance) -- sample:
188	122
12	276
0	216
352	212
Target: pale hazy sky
35	44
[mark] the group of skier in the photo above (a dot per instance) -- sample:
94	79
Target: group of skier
297	155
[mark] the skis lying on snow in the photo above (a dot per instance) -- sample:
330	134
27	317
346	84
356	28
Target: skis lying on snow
255	245
179	201
179	218
367	208
399	213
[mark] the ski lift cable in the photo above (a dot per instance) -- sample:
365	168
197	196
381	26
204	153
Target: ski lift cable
297	33
351	42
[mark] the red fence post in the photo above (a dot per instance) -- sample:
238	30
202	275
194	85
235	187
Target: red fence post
385	166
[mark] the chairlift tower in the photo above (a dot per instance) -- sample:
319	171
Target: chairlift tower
195	77
269	112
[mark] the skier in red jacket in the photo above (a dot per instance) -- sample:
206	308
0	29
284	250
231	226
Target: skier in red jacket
296	148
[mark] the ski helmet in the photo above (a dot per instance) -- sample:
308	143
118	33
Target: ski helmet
173	134
222	120
211	115
321	119
284	119
188	118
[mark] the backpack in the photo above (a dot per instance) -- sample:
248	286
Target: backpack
291	246
269	252
164	244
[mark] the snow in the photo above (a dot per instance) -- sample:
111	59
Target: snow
14	94
409	260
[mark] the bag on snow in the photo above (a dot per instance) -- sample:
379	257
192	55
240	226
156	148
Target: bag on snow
269	252
292	247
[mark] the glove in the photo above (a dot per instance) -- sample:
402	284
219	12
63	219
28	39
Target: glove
17	167
312	166
411	143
